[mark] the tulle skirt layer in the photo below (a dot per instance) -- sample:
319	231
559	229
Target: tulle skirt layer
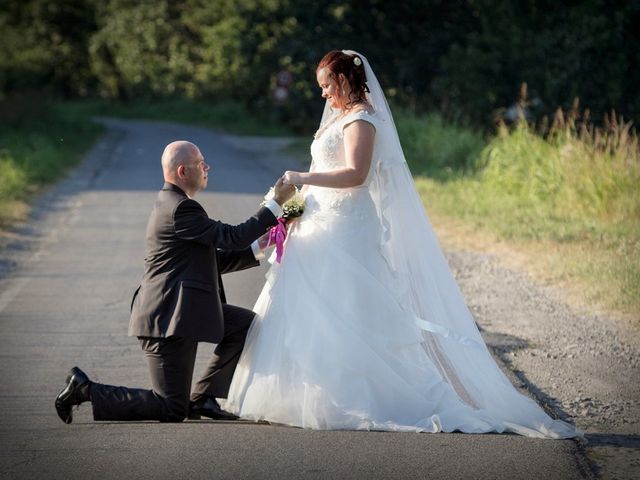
333	348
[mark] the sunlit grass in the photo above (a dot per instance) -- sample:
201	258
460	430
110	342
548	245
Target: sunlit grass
573	190
38	151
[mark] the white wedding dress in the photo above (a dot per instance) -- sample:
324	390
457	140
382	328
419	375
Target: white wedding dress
341	339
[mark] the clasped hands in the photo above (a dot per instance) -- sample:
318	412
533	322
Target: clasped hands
283	190
292	178
285	187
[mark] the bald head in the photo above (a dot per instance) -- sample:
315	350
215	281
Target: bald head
184	166
176	154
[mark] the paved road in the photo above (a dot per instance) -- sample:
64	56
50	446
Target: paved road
64	300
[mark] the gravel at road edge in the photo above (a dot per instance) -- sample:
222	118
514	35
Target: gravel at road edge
582	368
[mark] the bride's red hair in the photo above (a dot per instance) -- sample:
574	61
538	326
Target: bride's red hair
338	63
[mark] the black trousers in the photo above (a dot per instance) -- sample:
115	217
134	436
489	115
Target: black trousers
171	361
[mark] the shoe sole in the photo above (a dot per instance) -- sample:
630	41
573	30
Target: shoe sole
65	418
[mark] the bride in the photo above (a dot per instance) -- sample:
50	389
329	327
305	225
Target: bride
362	326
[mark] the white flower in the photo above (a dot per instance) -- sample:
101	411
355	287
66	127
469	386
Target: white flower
357	62
292	208
297	200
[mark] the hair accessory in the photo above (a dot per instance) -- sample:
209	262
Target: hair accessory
357	62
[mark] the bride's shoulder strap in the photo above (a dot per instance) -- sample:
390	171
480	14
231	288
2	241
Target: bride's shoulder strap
360	114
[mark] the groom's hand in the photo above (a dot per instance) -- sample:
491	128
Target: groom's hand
283	192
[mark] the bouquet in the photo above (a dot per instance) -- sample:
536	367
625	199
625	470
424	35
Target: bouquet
293	208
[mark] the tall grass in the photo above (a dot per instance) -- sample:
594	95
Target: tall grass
572	187
575	174
37	148
13	179
436	148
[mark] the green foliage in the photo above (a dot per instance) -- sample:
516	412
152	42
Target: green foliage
575	186
588	50
43	44
464	58
13	180
39	151
140	49
576	176
436	148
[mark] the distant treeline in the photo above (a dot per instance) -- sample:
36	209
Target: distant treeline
465	58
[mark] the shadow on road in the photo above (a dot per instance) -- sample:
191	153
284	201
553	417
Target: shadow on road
613	440
502	344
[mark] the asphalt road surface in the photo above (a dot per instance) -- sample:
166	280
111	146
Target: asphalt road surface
66	282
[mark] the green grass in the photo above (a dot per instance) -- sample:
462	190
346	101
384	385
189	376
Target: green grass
435	148
228	116
573	191
37	151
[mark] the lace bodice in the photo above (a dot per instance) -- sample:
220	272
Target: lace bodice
327	152
327	149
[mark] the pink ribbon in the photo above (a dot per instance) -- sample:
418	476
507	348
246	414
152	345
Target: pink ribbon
277	236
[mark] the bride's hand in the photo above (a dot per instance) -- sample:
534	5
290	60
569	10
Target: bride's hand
292	178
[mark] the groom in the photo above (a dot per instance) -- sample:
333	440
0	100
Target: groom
181	302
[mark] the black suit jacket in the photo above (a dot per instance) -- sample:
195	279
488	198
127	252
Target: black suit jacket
181	292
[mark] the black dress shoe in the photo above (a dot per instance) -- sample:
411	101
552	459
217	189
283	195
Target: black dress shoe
74	393
209	408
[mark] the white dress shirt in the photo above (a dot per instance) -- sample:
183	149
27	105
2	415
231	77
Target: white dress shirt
276	209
